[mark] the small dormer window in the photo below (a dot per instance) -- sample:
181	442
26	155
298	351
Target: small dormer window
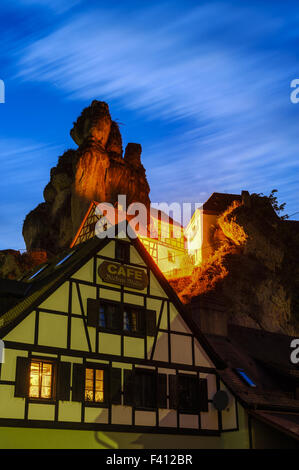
242	374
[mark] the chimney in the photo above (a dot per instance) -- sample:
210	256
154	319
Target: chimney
246	198
209	313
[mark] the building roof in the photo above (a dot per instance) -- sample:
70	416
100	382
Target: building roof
219	202
264	357
288	423
56	271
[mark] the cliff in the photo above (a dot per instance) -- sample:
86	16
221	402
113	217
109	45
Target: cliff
254	270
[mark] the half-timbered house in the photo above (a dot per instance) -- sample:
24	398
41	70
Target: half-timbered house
99	352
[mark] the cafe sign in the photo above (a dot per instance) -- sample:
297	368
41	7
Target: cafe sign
128	276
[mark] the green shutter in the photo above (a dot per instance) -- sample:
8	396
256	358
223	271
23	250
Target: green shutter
22	377
63	381
115	386
162	391
173	392
203	395
78	385
129	389
92	312
150	322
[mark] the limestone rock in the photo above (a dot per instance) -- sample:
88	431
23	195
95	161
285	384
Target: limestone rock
95	171
13	264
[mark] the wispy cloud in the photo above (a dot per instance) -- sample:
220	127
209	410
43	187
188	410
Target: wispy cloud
57	6
218	74
22	182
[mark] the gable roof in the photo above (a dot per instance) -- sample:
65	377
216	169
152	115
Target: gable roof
87	227
45	283
53	276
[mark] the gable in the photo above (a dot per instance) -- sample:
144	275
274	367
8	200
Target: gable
63	316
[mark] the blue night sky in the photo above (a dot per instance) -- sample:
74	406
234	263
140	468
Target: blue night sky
204	86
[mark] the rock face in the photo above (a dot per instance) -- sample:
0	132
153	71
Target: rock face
97	171
14	264
254	271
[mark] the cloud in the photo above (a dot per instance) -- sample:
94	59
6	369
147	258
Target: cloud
22	182
57	6
220	75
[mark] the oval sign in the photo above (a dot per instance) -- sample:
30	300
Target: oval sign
123	275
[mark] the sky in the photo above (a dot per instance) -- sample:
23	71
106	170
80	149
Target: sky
203	86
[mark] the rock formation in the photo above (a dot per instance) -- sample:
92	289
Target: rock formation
97	171
254	271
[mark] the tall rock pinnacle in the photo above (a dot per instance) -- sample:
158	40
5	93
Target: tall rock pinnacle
97	171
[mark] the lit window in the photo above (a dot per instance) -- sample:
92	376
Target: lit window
171	257
41	380
64	259
245	377
37	272
94	385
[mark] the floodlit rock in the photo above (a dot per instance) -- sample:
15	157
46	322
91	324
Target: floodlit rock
254	268
95	171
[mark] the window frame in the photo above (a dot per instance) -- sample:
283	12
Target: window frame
194	408
104	368
146	372
53	362
141	319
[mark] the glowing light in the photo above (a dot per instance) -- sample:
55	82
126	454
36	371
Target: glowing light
94	385
40	380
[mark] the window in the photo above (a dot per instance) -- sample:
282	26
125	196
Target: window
133	320
188	393
110	316
171	257
41	380
119	317
122	251
94	385
245	377
145	386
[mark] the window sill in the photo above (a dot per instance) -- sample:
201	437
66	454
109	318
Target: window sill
121	332
43	401
90	404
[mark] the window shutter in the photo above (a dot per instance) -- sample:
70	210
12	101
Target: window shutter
203	395
92	312
150	322
173	392
78	385
63	381
162	391
129	389
115	386
22	377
